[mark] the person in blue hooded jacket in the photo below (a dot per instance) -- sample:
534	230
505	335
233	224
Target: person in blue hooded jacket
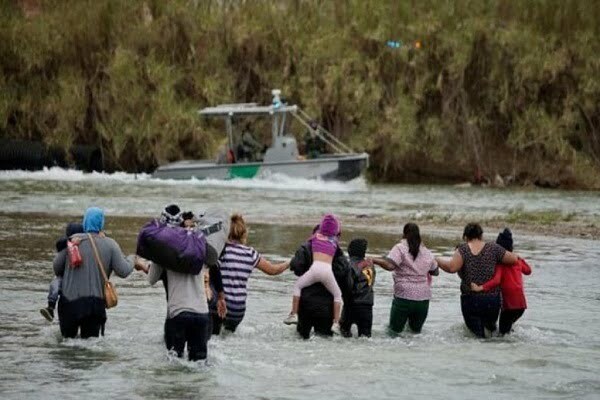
54	290
81	306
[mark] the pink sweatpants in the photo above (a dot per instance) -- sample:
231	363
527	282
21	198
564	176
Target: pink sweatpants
319	272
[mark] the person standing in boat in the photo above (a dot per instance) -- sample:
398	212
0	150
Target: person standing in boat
249	149
475	261
313	145
237	262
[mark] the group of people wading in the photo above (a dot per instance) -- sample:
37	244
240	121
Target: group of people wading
202	304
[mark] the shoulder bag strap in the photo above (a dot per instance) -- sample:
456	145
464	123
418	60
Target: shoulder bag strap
97	256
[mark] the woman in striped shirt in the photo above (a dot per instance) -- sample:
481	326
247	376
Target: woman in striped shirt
237	263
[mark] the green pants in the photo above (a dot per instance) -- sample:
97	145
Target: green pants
413	311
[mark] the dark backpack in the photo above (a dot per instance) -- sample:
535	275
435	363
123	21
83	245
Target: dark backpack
172	247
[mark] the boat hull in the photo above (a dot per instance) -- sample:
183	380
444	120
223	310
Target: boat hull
340	168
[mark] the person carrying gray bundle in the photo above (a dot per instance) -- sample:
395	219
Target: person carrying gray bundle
187	321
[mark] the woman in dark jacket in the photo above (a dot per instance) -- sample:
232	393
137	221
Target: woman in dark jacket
316	303
475	261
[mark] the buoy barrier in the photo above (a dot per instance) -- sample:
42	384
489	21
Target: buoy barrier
31	155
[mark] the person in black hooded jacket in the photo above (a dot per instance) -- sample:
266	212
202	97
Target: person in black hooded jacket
316	303
360	310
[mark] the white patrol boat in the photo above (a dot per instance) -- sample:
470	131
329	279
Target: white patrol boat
245	158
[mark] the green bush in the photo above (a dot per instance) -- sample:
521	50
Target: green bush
506	88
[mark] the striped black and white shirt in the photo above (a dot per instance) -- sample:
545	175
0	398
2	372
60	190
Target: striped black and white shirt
237	262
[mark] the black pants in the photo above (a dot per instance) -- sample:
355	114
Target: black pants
321	324
361	315
217	323
86	314
480	311
315	313
190	328
508	318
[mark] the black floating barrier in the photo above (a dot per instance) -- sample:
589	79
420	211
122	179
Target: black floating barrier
30	155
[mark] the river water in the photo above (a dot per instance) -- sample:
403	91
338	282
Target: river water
553	353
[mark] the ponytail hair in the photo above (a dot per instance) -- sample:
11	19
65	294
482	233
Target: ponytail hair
413	238
238	232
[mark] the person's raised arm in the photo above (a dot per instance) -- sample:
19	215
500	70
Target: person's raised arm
509	258
450	265
154	273
118	262
525	268
60	259
434	270
385	263
272	269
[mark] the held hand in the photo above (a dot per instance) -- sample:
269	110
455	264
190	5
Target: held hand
283	267
475	287
141	265
221	307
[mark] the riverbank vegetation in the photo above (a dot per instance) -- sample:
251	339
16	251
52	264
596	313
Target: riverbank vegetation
505	89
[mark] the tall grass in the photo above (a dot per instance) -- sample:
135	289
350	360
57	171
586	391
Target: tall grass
498	87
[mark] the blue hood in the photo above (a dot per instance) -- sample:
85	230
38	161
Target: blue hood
93	220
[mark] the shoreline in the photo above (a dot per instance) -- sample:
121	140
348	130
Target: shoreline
567	227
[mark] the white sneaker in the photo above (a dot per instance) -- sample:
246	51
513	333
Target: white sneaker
292	319
335	328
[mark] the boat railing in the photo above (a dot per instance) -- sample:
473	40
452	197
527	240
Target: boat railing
238	105
337	145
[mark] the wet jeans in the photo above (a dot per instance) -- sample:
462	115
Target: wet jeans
361	315
191	328
480	312
86	314
216	323
508	318
54	291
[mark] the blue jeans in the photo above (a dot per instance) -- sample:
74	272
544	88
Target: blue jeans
54	291
191	328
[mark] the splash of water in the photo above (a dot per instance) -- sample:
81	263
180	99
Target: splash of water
273	182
